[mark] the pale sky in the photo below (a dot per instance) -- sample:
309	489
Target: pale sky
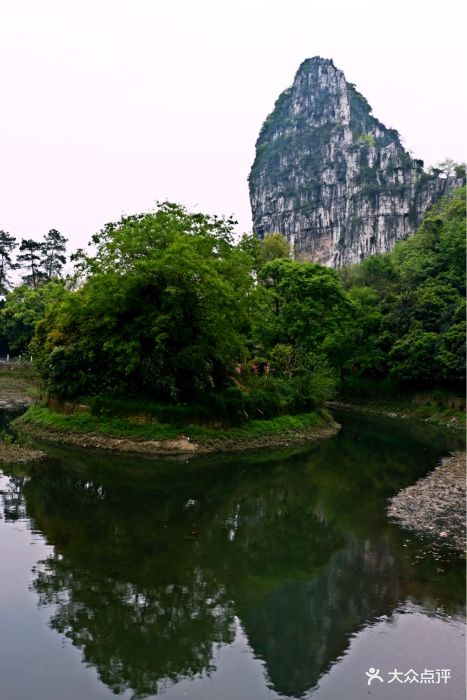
111	105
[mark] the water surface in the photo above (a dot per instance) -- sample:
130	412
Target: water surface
271	575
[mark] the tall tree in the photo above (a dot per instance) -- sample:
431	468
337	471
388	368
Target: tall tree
273	246
30	258
298	304
162	311
7	245
53	254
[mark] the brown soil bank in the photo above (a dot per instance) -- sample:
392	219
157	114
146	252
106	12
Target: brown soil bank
181	445
436	504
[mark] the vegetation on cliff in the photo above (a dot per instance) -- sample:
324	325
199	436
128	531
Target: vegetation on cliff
410	306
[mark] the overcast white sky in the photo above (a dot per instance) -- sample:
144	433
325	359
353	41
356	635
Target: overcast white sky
111	105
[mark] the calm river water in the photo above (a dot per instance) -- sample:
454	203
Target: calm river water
272	575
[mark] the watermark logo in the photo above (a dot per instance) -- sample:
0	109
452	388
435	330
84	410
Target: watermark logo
373	675
428	675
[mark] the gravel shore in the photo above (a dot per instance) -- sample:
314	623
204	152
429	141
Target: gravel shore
18	454
435	505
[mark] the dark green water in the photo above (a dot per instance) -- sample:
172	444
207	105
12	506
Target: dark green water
270	575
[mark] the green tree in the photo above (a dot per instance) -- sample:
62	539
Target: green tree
7	245
53	254
410	320
413	357
459	171
298	304
30	258
273	246
24	306
162	312
354	345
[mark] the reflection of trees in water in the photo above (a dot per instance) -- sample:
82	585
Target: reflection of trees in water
14	505
145	588
130	587
138	638
148	574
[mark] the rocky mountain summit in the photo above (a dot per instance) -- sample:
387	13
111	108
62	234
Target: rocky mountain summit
332	178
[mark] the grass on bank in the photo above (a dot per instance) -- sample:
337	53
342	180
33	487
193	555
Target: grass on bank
439	406
437	415
146	428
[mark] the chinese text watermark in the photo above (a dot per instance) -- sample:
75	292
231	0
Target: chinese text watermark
428	675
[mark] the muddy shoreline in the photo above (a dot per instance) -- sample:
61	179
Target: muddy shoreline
178	446
435	504
451	424
17	387
15	453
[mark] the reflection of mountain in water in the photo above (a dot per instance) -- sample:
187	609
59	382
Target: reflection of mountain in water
152	562
301	628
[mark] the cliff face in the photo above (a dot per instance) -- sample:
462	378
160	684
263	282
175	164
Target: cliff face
333	179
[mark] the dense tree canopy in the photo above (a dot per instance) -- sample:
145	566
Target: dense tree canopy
162	310
411	303
170	307
24	306
298	303
274	246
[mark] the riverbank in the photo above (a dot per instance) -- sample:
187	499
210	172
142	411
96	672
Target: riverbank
435	505
143	434
418	407
18	385
15	453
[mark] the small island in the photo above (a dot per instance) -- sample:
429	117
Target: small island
175	338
